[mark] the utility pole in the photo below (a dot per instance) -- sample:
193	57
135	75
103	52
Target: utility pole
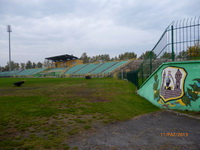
9	30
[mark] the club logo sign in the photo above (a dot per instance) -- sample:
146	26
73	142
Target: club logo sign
172	85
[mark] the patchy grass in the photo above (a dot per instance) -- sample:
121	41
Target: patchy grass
192	113
45	113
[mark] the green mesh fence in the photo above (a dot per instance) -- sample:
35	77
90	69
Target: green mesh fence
179	42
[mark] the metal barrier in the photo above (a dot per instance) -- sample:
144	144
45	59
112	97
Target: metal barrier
179	42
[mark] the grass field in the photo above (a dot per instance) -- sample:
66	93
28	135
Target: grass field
46	112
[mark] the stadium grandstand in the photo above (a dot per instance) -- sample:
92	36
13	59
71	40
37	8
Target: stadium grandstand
71	66
64	61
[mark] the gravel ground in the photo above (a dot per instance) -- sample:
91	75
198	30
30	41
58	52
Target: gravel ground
163	130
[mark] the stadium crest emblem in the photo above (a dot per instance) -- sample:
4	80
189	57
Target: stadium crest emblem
172	85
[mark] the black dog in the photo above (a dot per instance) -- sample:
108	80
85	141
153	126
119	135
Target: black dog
88	77
19	83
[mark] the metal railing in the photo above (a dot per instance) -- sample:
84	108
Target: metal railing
179	42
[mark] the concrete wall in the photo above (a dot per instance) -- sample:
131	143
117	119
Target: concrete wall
174	85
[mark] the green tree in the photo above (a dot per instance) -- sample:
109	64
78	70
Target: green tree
166	55
85	58
34	65
94	59
23	65
39	65
100	58
14	66
48	63
194	51
115	58
127	55
182	54
147	55
29	65
104	57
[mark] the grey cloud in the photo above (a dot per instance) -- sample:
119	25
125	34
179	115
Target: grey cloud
44	28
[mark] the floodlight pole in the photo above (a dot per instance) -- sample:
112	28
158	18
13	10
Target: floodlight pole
9	30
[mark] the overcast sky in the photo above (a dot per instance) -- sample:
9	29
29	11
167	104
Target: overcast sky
44	28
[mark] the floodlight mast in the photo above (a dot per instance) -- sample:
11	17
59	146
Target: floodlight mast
9	30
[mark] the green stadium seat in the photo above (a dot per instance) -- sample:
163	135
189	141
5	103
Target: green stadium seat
103	67
30	71
112	68
9	73
87	69
75	68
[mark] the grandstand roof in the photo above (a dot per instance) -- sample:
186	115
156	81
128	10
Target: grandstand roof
62	58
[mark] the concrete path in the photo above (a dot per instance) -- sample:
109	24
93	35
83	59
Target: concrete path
162	130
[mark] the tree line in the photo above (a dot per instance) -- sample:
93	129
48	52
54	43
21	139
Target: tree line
192	52
21	66
106	57
86	59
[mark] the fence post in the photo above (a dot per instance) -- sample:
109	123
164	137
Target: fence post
150	62
142	74
122	74
172	42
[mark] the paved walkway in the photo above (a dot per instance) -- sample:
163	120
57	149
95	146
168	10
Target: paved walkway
162	130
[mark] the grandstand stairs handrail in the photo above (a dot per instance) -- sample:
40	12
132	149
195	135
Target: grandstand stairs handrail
57	70
109	67
79	69
67	69
119	68
96	67
62	72
100	74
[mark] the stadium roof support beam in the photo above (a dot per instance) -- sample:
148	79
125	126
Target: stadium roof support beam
61	58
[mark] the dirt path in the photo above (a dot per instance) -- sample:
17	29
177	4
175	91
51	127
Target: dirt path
162	130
